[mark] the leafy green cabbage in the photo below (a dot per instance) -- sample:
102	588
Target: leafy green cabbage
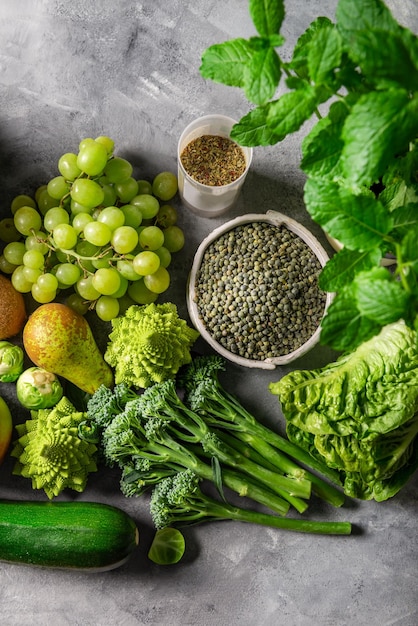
359	414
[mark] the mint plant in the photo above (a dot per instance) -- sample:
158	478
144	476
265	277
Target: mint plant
358	76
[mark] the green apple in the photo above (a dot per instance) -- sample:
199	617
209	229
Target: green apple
6	426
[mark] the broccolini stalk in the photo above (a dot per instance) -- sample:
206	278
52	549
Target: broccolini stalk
131	440
161	401
206	396
179	500
50	452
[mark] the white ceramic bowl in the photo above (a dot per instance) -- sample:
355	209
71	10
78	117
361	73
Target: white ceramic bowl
276	219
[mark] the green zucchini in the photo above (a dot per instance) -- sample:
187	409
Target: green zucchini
76	535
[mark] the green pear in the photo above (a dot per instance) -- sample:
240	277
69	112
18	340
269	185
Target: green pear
61	341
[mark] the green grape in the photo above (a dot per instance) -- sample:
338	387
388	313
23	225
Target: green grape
126	269
165	186
46	202
67	273
144	186
67	166
123	287
19	280
65	236
147	204
86	249
8	230
164	255
112	216
166	216
42	296
87	192
108	143
39	190
22	200
110	196
13	252
58	187
34	259
61	255
80	220
85	288
92	158
133	215
151	238
118	170
31	274
47	282
140	293
124	303
77	303
159	281
103	260
97	233
37	241
54	217
107	308
173	238
127	189
6	267
106	281
146	262
26	219
124	239
76	208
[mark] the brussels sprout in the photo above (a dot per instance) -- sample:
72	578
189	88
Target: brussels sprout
38	389
11	362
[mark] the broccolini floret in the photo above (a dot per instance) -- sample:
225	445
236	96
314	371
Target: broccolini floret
105	403
205	395
179	500
149	344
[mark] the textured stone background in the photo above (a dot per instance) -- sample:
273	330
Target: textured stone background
129	69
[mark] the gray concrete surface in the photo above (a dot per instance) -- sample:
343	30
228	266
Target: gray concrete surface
129	69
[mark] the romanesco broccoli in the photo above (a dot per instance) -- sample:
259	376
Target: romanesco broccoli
50	452
149	344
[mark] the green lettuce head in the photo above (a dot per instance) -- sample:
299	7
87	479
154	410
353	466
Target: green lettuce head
38	389
11	362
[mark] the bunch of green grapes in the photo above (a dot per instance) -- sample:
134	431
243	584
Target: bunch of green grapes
94	230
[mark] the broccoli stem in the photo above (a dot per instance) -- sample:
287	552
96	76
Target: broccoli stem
172	452
211	509
219	403
329	493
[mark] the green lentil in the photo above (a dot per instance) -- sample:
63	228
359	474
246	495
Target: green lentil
257	291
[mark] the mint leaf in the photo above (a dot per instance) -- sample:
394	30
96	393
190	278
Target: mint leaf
405	218
385	59
380	125
380	297
267	16
321	150
299	62
261	76
398	195
355	15
343	327
226	62
252	129
341	269
324	54
359	221
288	113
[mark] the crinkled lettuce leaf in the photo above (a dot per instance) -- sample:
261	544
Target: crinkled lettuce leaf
359	414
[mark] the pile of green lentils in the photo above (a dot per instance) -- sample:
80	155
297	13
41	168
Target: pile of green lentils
257	293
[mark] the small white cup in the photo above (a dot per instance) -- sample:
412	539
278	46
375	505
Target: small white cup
206	200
